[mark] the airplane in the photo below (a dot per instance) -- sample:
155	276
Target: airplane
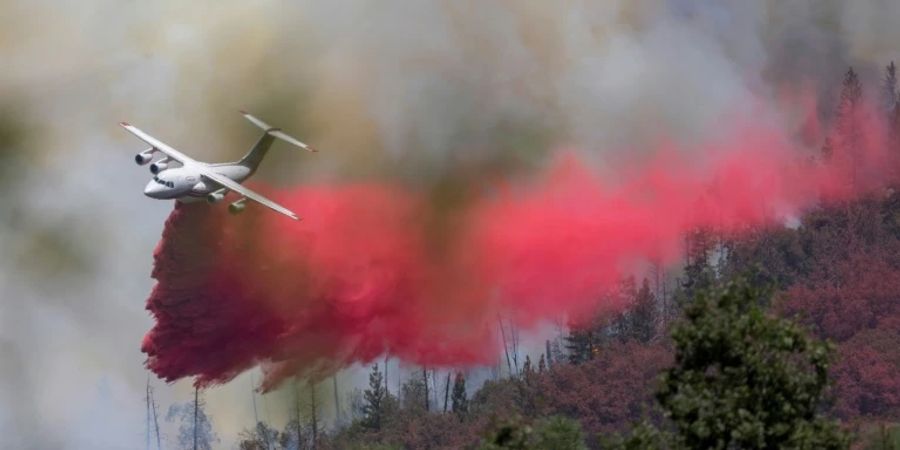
194	181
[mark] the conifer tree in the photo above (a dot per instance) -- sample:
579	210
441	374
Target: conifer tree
742	379
889	89
458	400
377	400
526	367
581	345
698	274
849	120
891	104
642	316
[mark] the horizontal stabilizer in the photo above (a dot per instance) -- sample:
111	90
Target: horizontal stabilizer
256	121
276	132
291	140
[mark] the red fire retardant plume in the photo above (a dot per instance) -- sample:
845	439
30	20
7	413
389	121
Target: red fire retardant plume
362	274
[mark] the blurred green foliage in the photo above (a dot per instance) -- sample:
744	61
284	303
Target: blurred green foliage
555	432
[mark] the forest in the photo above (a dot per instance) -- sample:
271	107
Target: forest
782	337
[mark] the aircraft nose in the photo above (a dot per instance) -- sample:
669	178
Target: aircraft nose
152	190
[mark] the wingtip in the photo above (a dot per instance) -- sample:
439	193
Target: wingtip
243	112
124	124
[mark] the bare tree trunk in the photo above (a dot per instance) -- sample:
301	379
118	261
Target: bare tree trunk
386	389
315	421
147	399
514	335
256	415
196	413
447	391
425	379
253	397
297	410
337	402
155	420
549	358
505	347
434	388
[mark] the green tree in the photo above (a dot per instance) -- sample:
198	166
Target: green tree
849	123
642	317
555	432
559	433
582	344
889	88
378	401
458	400
698	273
526	367
414	396
742	379
891	105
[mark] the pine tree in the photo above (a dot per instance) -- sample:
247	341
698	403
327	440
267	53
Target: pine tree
891	104
889	89
851	93
894	128
458	400
581	345
698	274
542	364
377	400
413	395
743	379
849	121
527	370
554	432
642	317
584	341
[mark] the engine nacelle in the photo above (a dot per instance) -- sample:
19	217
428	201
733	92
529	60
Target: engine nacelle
144	157
159	166
217	196
238	206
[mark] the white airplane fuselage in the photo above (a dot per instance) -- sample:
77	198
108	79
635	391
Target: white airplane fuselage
187	185
191	180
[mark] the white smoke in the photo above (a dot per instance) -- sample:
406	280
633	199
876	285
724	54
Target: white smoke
395	88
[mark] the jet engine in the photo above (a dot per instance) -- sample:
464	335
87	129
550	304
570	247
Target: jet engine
159	166
217	196
238	206
144	157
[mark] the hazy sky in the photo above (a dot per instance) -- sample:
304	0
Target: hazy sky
399	89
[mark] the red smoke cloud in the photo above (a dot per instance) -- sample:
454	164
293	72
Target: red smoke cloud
366	274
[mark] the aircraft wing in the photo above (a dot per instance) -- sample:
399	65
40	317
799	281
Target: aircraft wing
158	145
243	190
